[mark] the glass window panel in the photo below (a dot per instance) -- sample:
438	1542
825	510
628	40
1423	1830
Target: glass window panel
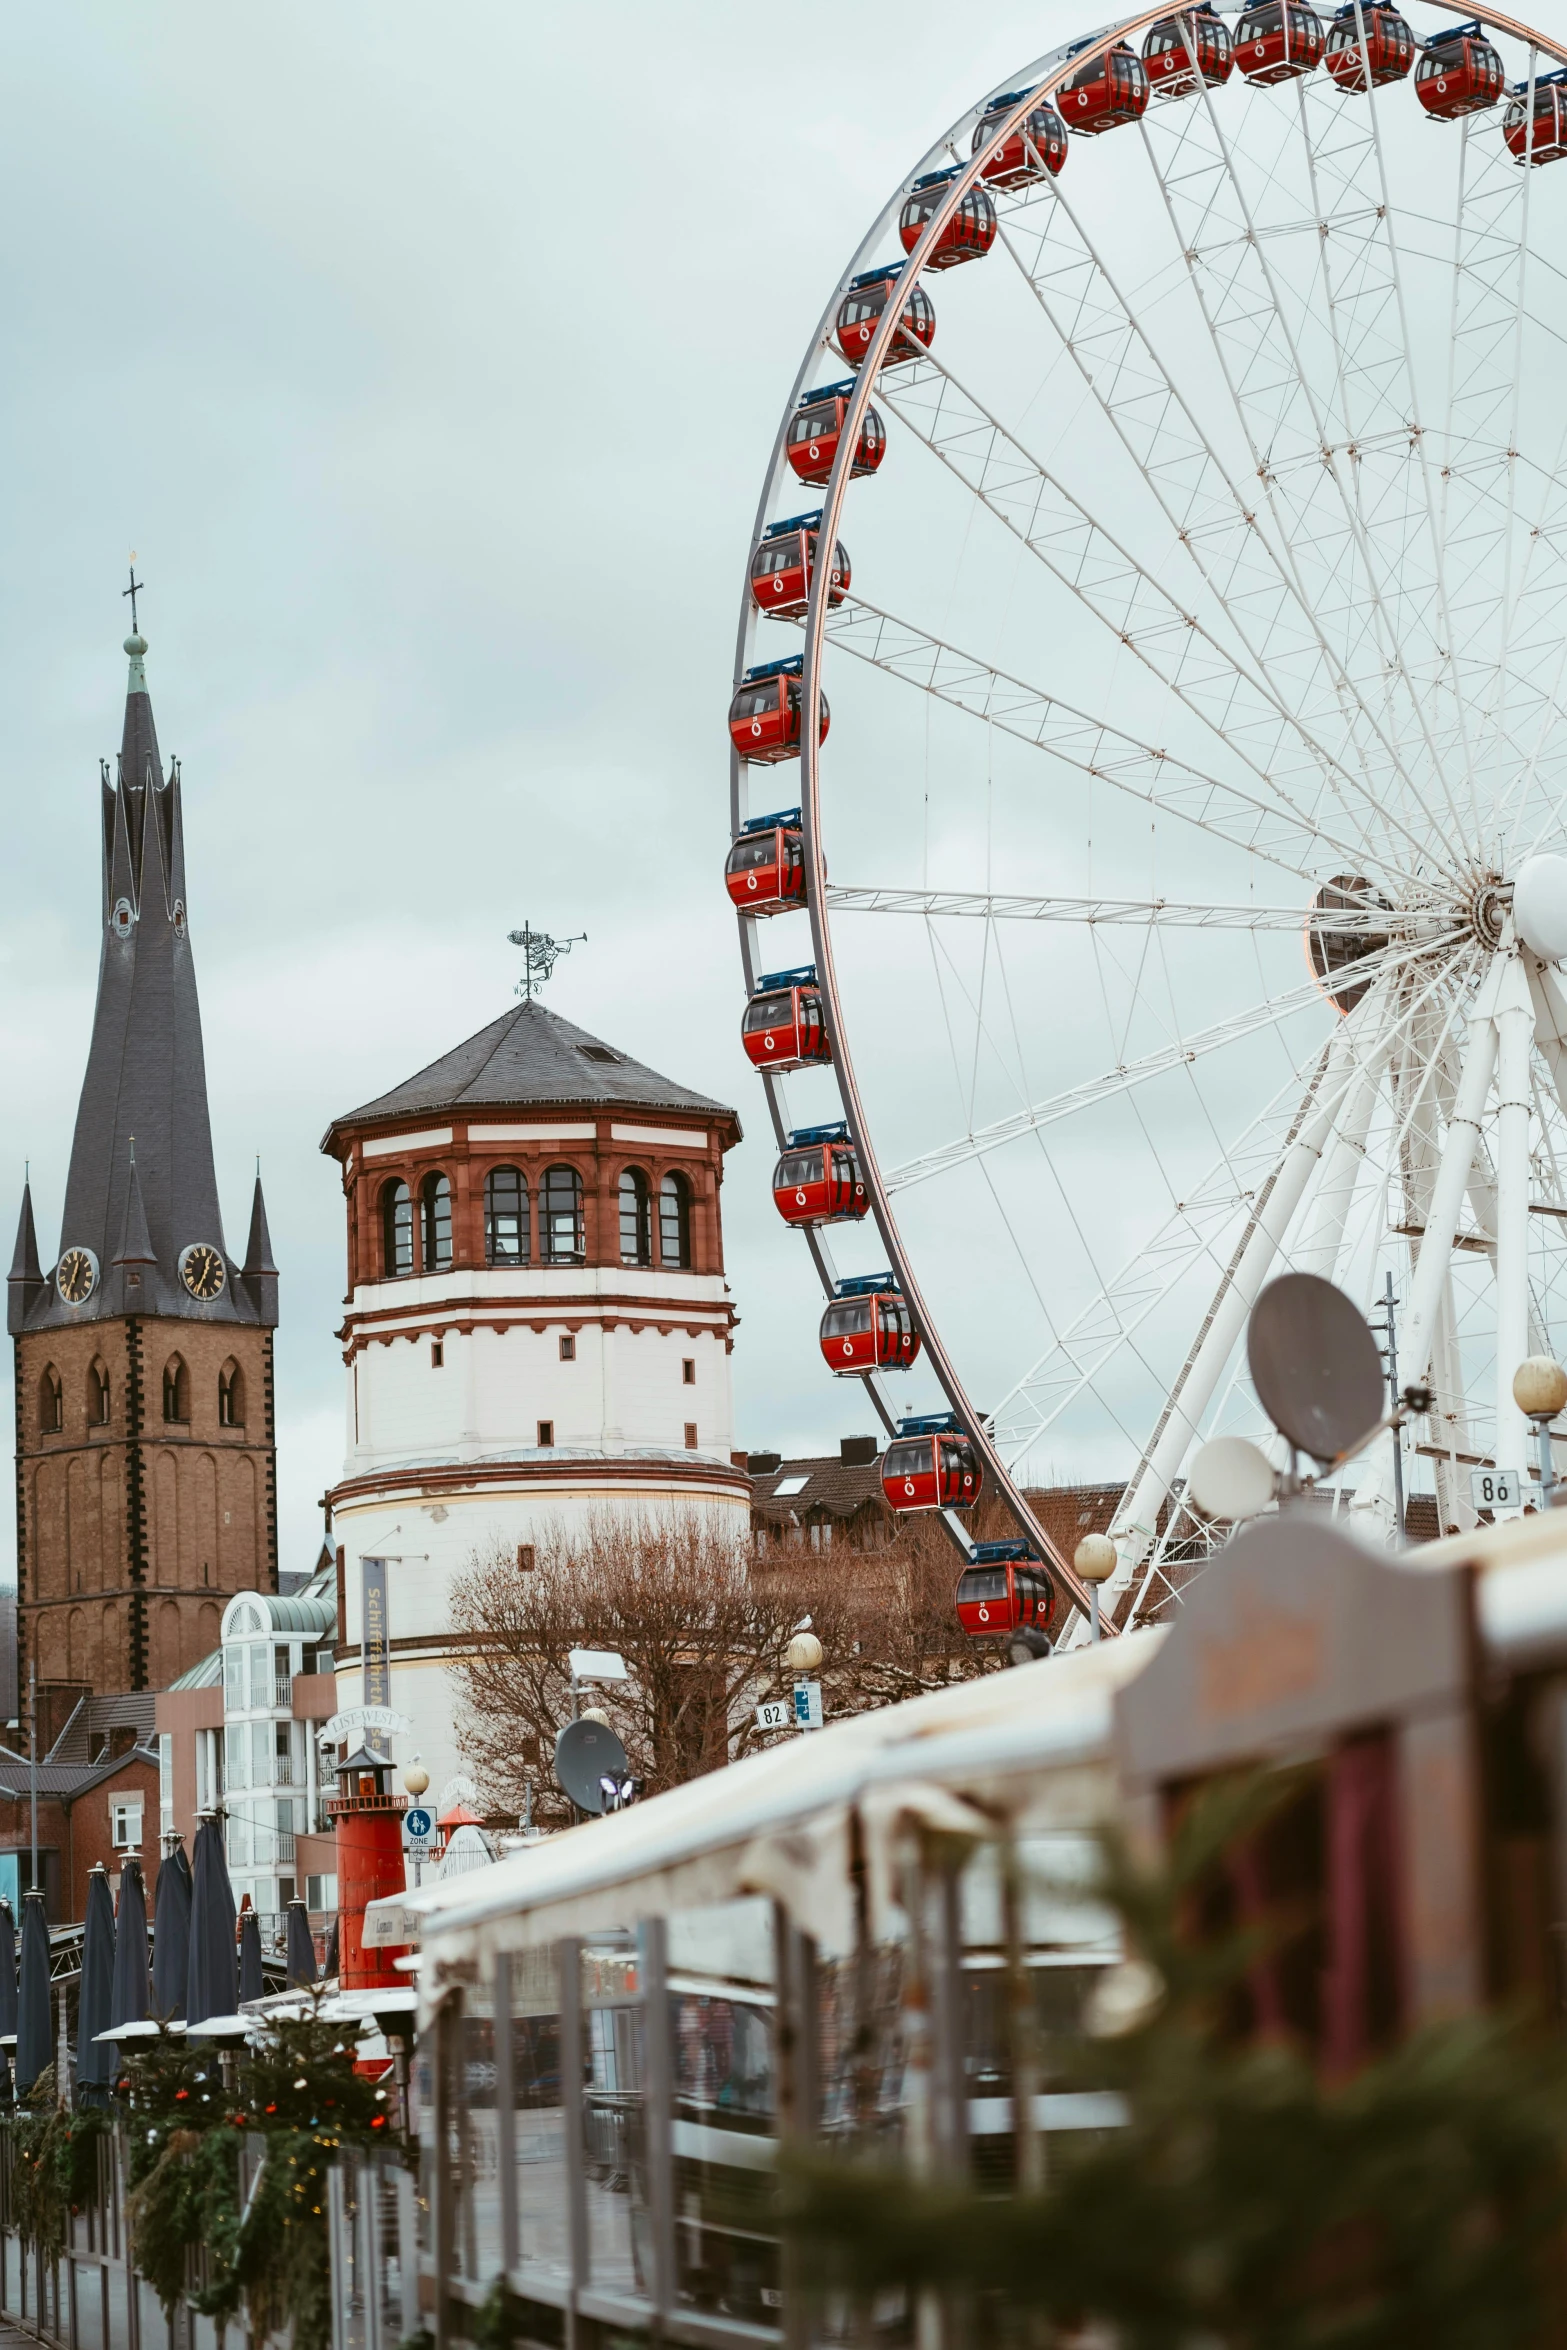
479	2220
538	2119
261	1754
612	2021
506	1236
236	1755
261	1674
674	1221
233	1678
397	1230
723	2127
436	1200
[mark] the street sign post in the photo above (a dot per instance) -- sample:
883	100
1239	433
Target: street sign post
418	1826
808	1705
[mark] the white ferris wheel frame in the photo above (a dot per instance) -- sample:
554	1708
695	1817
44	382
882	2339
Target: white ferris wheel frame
1514	1010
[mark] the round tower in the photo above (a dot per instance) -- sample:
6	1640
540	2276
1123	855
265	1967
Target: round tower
538	1328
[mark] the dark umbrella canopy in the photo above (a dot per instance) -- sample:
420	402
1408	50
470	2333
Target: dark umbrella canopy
250	1984
95	2066
128	1995
301	1945
171	1934
330	1963
33	2052
210	1983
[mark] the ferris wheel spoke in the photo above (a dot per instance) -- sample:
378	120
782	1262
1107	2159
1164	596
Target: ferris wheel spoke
1308	458
1217	520
1178	1054
1131	913
1266	829
1233	699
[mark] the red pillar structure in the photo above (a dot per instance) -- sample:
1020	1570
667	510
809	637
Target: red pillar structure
369	1821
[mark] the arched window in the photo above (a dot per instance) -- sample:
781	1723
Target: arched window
397	1230
636	1219
560	1216
97	1397
435	1202
674	1221
51	1402
506	1235
231	1396
176	1390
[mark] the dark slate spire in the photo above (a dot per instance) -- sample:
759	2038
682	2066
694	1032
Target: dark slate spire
26	1280
146	1075
260	1273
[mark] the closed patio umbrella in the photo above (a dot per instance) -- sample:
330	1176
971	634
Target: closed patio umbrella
34	2052
251	1985
211	1984
301	1945
128	1992
95	2066
7	1984
171	1934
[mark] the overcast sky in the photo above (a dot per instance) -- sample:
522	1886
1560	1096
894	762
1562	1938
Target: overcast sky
429	361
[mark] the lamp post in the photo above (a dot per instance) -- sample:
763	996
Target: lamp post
802	1656
1095	1559
1539	1391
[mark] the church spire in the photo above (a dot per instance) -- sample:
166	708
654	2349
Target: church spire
26	1279
146	1073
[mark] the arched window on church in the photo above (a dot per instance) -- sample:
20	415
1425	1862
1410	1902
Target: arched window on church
51	1402
231	1395
435	1200
397	1230
636	1218
506	1234
560	1216
674	1221
97	1396
176	1391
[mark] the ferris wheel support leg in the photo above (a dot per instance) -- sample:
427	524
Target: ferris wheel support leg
1515	1035
1323	1235
1136	1529
1417	1335
1449	1421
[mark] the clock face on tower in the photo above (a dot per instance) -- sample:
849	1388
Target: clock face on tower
76	1276
203	1271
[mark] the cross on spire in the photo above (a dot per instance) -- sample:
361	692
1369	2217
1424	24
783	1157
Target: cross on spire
135	589
540	954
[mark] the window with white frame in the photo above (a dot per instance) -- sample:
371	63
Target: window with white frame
125	1821
165	1782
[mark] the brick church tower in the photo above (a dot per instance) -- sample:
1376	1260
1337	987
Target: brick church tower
146	1470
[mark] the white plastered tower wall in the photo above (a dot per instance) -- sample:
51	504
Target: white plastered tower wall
506	1382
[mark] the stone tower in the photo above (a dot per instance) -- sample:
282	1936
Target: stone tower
146	1476
538	1328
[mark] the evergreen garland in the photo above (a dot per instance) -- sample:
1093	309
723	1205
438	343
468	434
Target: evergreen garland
300	2094
54	2166
1246	2204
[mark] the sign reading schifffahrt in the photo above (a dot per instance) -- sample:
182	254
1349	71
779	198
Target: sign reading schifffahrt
376	1656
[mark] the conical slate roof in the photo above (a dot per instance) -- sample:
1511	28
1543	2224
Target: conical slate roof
142	1187
527	1057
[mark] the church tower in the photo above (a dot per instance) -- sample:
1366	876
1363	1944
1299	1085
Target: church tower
146	1469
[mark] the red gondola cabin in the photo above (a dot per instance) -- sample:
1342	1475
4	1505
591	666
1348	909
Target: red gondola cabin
1036	148
1537	134
764	717
968	235
1108	90
868	1327
1170	46
859	314
1459	73
784	560
814	429
765	870
1002	1589
783	1026
1368	34
1279	41
931	1465
817	1180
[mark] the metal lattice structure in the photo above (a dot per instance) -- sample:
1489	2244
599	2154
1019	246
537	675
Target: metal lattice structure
1225	519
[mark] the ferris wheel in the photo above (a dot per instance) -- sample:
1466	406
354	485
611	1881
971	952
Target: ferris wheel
1178	900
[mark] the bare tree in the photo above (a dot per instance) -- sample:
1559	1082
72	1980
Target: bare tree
703	1627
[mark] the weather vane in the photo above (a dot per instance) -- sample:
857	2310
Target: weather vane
540	954
135	589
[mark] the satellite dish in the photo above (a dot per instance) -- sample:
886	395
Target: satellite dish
1315	1365
1540	906
585	1754
1231	1479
